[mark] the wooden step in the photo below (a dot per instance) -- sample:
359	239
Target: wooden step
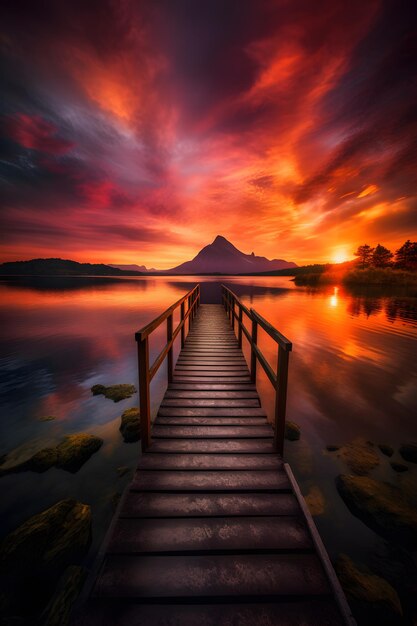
198	411
209	461
212	446
211	421
320	611
231	576
215	403
153	504
202	535
171	393
208	432
221	480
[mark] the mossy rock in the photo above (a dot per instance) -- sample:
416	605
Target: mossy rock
381	506
75	450
359	455
386	449
372	596
130	425
399	467
114	392
292	431
69	455
409	452
34	555
47	418
58	610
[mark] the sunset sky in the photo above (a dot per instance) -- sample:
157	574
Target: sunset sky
135	131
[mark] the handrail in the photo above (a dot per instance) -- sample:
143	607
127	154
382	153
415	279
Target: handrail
146	372
279	379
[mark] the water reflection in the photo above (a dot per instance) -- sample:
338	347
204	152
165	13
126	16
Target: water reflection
353	373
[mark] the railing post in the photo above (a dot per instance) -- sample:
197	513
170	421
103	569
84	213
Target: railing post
233	314
170	351
144	395
239	330
189	313
183	325
281	400
254	339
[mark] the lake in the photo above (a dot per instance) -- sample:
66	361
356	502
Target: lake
353	373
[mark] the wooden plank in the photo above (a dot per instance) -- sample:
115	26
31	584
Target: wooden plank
210	480
210	421
209	461
212	386
211	379
170	393
211	402
151	504
194	577
321	611
207	432
211	412
213	446
209	535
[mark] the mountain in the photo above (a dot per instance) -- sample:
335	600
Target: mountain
222	257
60	267
131	268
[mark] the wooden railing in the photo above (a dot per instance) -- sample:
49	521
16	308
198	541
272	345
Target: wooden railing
146	373
279	379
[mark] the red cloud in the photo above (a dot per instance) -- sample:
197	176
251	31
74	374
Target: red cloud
35	133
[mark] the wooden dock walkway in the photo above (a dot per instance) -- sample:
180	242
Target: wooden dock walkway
213	530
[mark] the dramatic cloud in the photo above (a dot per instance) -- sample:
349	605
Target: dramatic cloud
136	131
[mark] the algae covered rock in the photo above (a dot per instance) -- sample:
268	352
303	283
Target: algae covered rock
372	595
381	506
409	452
57	612
114	392
386	449
292	431
359	455
34	555
47	418
69	455
130	425
75	450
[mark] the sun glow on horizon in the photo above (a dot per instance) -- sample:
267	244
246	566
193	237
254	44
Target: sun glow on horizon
340	255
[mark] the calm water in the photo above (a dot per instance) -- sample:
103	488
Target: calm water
353	372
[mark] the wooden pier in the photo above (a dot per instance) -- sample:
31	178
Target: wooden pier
213	529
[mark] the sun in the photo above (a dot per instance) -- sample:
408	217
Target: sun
340	255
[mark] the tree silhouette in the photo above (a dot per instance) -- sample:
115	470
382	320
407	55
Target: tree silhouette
406	256
364	254
381	256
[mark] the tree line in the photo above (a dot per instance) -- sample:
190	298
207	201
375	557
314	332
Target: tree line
404	258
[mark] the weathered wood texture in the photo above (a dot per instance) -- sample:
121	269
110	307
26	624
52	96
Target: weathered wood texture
211	531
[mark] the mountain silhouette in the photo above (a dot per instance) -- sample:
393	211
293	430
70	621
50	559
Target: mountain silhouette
222	257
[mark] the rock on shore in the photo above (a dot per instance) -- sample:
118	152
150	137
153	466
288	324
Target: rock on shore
130	425
35	555
372	595
381	506
114	392
70	455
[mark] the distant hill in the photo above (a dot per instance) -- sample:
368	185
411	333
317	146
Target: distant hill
60	267
222	257
132	268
